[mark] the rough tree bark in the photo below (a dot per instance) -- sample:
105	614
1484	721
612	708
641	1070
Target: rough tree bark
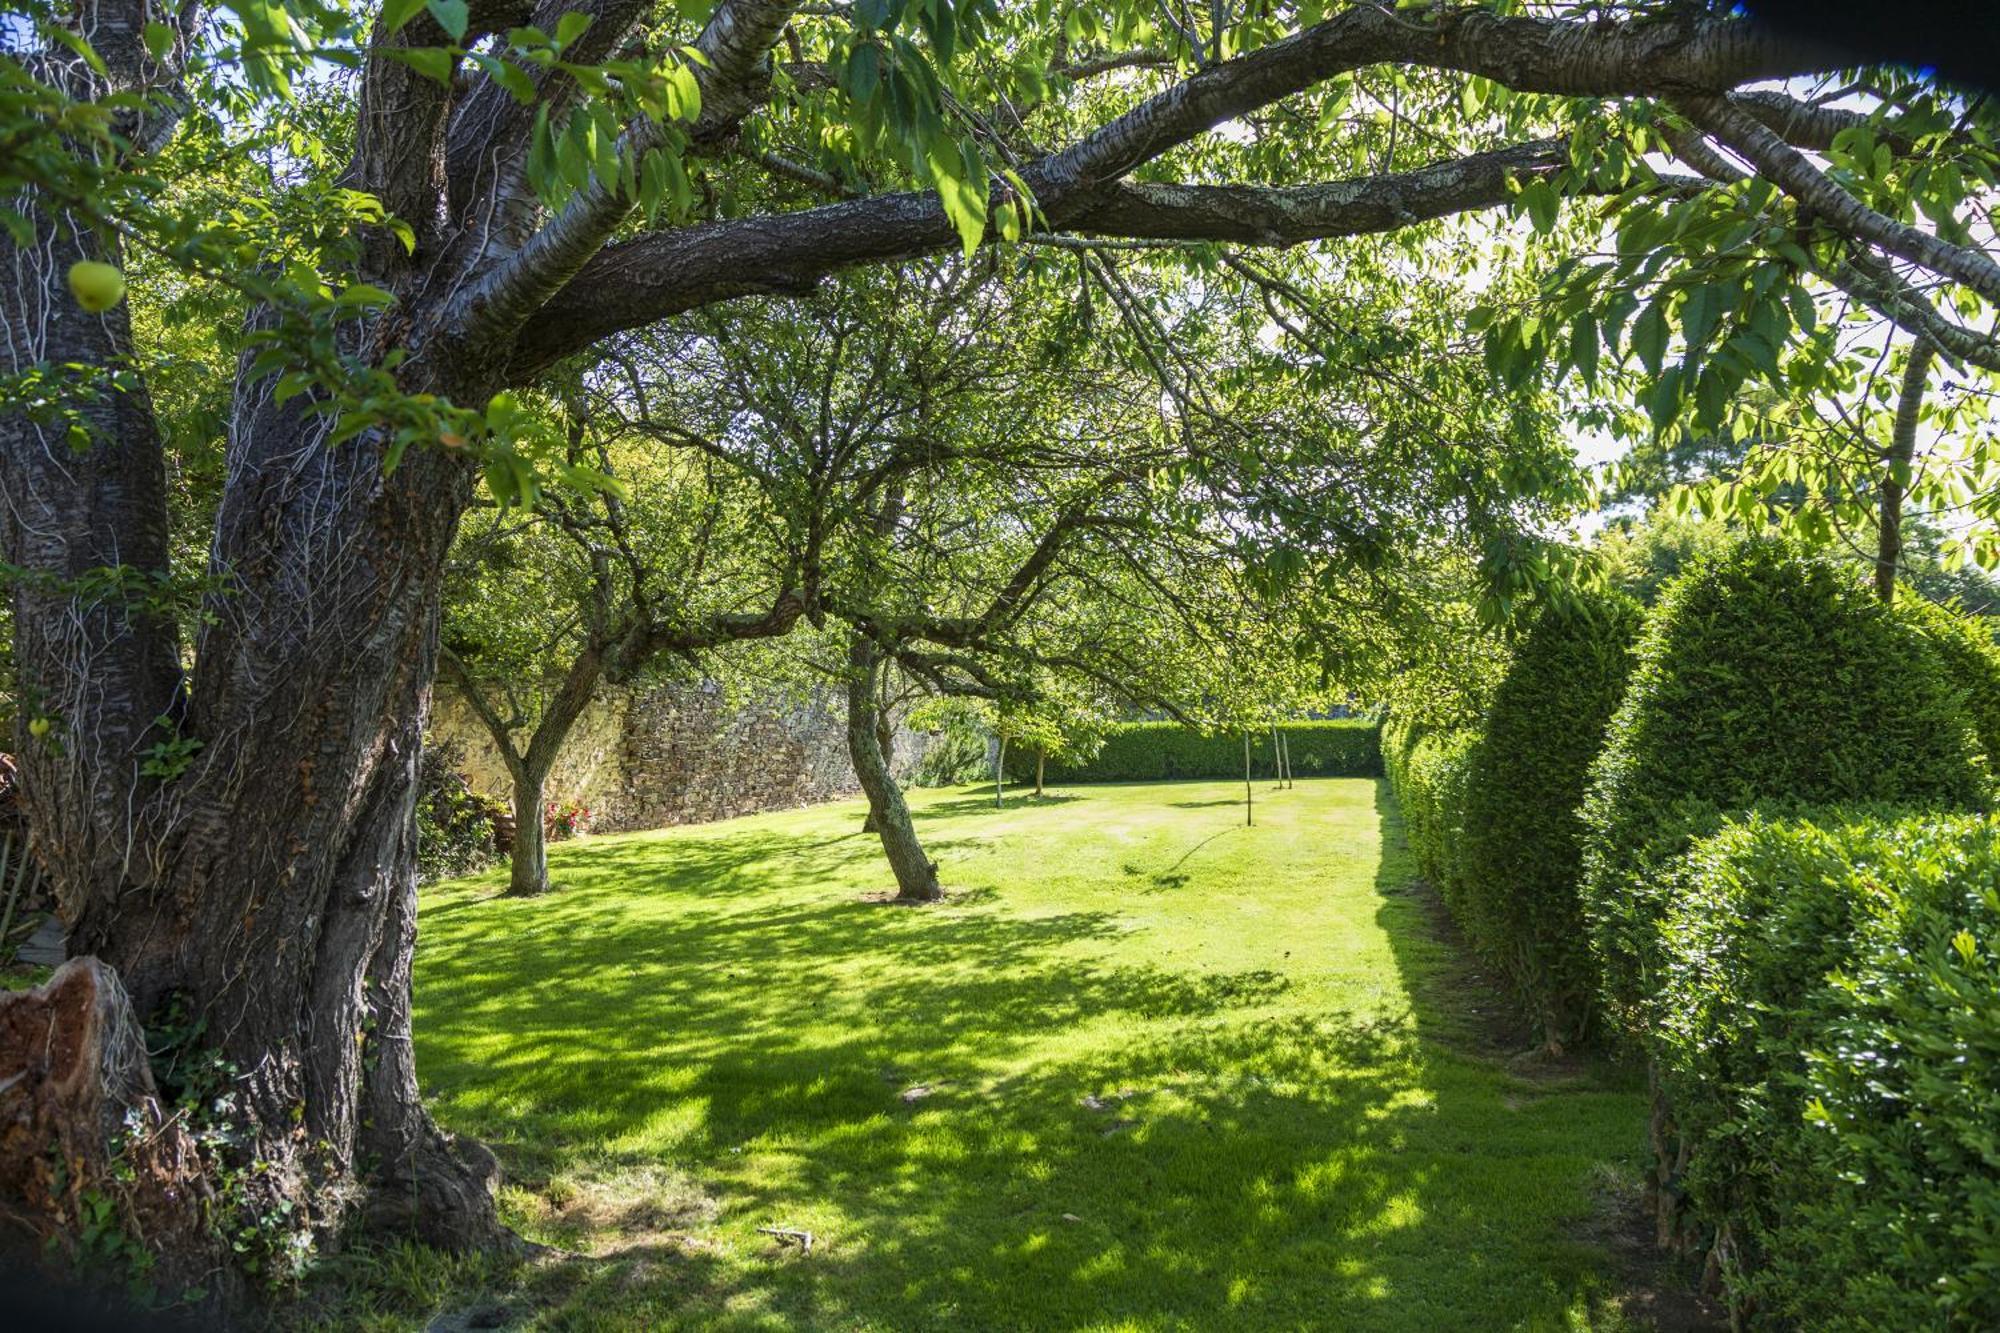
916	873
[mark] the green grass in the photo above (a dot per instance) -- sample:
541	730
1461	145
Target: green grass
708	1030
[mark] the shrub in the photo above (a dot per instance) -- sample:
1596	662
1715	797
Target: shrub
454	823
1971	660
953	757
1828	1035
1428	772
1158	751
1522	854
1763	676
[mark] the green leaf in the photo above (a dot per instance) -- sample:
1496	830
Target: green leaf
570	27
1540	199
863	74
159	40
396	13
432	62
1583	347
1649	337
1700	315
451	15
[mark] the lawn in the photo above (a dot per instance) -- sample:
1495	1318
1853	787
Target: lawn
1148	1068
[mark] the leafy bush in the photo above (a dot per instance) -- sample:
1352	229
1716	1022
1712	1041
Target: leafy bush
1828	1034
1763	675
1522	855
454	823
953	757
1428	772
1971	660
1158	751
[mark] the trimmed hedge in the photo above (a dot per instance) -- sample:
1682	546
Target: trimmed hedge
1971	660
1828	1034
1764	675
1158	751
1522	853
1428	770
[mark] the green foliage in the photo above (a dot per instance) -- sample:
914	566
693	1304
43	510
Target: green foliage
1764	675
1829	1027
1157	751
1642	558
955	756
1971	658
1428	770
454	823
1522	852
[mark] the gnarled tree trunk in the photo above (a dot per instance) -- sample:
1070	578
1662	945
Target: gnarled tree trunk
916	874
236	844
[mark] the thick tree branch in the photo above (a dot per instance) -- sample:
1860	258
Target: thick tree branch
734	47
1788	169
658	276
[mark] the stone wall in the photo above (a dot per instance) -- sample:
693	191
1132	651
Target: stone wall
683	754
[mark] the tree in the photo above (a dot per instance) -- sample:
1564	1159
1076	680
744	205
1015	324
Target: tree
590	590
223	797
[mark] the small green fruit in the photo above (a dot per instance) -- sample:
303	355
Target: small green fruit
97	287
38	727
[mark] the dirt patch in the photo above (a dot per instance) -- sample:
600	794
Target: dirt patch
620	1207
1656	1288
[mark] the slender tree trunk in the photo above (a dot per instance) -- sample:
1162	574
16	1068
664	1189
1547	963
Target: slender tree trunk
1249	813
1285	740
916	874
528	863
1896	468
999	775
529	768
1041	765
1277	763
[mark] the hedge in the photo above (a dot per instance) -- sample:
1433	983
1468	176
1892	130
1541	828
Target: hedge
1764	675
1158	751
1428	771
1522	854
1828	1037
1971	660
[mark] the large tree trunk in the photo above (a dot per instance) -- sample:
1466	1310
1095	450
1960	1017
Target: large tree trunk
916	875
262	882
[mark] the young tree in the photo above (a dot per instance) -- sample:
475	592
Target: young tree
652	561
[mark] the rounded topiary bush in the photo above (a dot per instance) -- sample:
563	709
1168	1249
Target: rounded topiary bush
1522	854
1764	677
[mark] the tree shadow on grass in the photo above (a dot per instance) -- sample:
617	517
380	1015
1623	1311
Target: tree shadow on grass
960	806
1219	1166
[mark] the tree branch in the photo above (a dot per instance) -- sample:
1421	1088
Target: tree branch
734	45
657	276
1788	169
